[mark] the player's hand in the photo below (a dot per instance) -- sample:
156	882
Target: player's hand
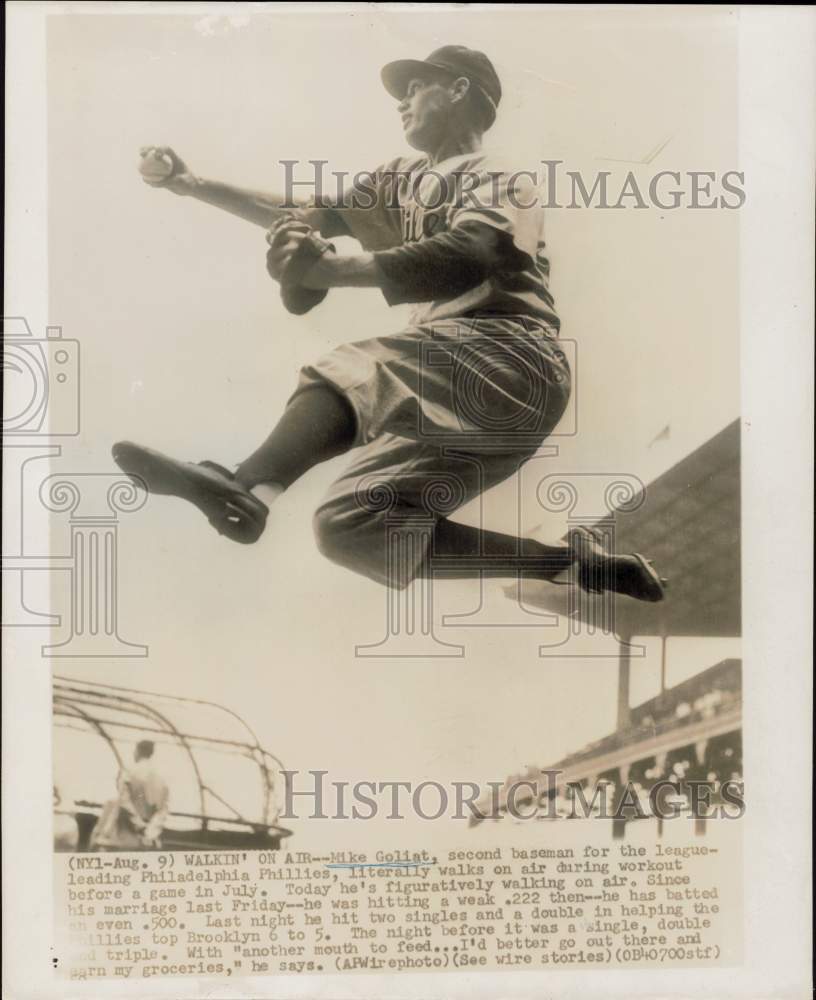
181	180
284	240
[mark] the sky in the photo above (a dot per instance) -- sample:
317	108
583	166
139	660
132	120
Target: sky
185	346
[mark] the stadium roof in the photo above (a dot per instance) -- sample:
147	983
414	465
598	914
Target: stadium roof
689	525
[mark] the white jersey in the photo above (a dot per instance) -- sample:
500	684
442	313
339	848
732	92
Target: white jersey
409	200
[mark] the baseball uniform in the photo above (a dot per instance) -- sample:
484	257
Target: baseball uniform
469	390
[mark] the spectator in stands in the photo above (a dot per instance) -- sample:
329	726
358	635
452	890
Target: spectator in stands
135	819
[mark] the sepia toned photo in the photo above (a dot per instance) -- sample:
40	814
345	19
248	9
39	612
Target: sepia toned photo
386	443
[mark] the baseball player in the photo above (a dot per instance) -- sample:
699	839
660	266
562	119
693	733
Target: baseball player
440	411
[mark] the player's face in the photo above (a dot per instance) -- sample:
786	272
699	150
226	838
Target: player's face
425	111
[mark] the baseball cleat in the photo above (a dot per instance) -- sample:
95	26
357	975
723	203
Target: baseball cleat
232	510
598	570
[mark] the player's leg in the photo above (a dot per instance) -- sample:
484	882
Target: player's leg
386	518
317	425
470	385
359	392
462	551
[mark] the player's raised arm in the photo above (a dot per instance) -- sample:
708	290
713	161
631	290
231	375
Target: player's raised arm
162	167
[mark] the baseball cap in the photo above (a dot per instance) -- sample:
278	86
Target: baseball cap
455	60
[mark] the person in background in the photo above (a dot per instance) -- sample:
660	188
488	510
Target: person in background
135	819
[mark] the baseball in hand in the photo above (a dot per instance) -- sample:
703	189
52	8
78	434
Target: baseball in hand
155	167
